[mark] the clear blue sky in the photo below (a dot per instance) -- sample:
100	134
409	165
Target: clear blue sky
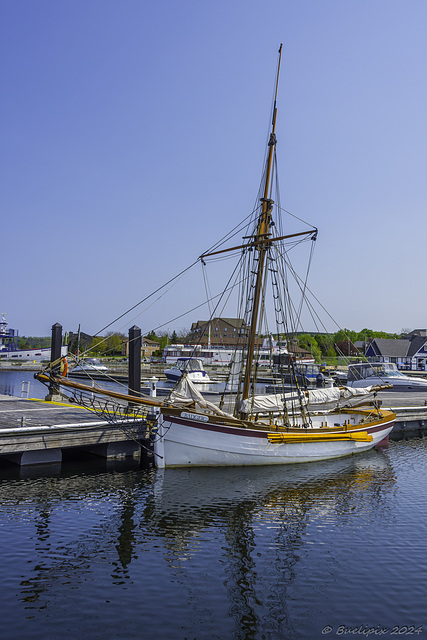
133	135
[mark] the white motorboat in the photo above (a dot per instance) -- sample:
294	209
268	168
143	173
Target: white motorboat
9	346
89	365
192	367
365	374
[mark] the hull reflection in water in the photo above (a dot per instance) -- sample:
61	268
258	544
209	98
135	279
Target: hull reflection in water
184	492
266	517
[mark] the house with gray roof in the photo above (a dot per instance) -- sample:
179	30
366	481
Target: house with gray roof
408	353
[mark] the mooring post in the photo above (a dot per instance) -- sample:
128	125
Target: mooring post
134	381
153	386
55	354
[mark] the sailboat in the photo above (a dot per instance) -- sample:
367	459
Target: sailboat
245	427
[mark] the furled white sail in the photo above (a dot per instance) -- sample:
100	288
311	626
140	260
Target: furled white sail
334	394
277	401
272	402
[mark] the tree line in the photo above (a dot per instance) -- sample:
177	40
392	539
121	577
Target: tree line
322	346
33	342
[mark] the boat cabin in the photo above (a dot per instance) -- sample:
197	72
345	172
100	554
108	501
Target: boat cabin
369	370
189	364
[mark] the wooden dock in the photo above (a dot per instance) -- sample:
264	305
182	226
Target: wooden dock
37	432
410	408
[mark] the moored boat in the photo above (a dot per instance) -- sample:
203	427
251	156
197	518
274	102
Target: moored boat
285	431
89	365
193	439
291	425
364	374
9	346
191	367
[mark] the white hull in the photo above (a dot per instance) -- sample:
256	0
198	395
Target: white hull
184	441
367	374
88	369
221	357
407	383
192	367
38	355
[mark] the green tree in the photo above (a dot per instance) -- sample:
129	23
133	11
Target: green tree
33	342
345	334
113	344
152	336
161	338
97	346
309	343
326	345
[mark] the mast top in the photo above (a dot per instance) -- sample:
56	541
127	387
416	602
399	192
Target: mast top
272	141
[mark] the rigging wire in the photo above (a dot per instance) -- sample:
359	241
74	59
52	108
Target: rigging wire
233	232
202	304
148	297
305	281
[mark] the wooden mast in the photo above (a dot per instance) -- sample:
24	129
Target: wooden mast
262	243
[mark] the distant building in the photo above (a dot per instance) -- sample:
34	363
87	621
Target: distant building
83	340
226	332
362	345
408	353
148	347
300	354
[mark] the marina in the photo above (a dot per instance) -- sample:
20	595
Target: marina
124	493
213	333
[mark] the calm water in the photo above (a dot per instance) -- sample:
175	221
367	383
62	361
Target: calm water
11	385
299	552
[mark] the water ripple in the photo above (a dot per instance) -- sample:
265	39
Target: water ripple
216	553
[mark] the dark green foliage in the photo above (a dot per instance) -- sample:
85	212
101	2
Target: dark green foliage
33	342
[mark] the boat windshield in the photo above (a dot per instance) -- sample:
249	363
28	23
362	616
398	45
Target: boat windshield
370	370
189	364
387	369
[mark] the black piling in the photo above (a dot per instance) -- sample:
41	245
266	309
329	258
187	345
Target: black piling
55	354
135	343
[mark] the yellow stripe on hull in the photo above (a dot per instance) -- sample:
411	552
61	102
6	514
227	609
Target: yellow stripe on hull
360	436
